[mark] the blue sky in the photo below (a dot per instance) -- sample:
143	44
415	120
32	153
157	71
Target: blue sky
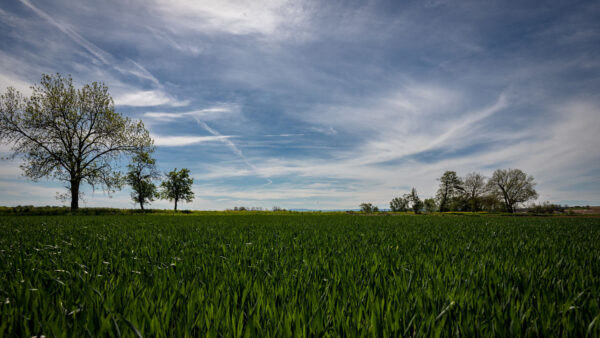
324	105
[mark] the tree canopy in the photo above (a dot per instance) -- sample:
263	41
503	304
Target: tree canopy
474	188
399	204
514	186
178	186
450	187
72	135
140	175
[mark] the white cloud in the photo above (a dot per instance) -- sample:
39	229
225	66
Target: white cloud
148	98
212	113
178	141
10	80
240	17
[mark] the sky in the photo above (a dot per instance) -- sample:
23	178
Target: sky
325	104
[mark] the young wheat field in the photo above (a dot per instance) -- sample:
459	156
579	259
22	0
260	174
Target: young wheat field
248	275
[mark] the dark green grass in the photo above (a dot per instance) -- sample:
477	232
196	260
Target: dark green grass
302	274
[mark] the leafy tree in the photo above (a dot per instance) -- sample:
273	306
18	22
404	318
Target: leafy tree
512	185
399	204
72	135
416	203
474	188
450	187
368	207
178	186
141	172
430	205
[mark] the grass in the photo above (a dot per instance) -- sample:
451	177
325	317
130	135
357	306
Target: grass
298	274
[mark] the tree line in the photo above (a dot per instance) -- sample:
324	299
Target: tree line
504	191
75	136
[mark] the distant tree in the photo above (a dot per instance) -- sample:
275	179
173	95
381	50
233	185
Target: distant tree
140	176
514	186
72	135
450	187
178	186
474	188
430	205
416	203
491	202
399	204
546	208
367	207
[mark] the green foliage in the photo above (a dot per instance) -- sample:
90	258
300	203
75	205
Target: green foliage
399	204
368	208
141	172
430	205
407	201
72	135
415	201
451	186
178	186
299	275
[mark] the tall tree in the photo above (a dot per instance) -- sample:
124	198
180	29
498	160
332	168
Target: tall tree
140	176
474	188
72	135
514	186
178	186
450	187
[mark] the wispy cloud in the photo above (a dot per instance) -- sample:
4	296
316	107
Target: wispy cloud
179	141
235	17
211	113
145	98
126	66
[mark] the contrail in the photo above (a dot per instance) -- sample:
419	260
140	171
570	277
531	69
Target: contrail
231	146
98	53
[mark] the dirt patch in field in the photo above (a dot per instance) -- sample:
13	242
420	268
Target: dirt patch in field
590	211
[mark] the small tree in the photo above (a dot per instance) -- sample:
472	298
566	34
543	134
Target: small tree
399	204
514	186
430	205
72	135
416	203
368	207
178	186
450	187
142	171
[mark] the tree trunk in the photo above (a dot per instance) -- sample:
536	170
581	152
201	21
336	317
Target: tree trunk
75	194
509	206
142	204
175	204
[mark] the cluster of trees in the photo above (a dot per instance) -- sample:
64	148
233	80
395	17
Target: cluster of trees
549	208
142	173
410	201
75	136
504	191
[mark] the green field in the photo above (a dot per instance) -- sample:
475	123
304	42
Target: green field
299	274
